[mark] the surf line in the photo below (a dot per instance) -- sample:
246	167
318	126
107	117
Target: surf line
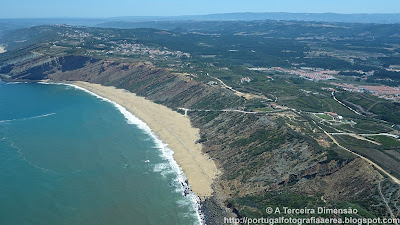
165	151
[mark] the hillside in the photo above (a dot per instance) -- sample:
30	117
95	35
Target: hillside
265	133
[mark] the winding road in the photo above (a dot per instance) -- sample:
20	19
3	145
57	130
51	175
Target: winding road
351	109
367	135
397	181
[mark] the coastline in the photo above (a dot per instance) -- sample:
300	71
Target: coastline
173	129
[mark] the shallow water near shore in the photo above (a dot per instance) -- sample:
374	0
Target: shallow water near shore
68	157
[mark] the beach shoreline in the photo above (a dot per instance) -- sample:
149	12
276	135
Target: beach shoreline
173	129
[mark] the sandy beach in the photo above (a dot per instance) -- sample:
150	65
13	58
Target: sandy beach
173	129
2	49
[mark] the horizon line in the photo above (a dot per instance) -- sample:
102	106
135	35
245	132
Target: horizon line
111	17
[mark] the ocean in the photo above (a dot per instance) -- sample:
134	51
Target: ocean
70	157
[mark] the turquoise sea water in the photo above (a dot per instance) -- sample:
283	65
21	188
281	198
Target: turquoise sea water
68	157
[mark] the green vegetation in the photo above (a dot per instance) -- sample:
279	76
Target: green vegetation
324	116
244	144
255	206
381	108
260	141
208	116
378	153
387	142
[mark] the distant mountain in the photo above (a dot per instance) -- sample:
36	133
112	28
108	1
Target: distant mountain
321	17
7	25
14	24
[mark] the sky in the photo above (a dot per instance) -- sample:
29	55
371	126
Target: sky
117	8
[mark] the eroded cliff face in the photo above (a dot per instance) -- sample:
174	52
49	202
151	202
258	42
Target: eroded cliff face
33	66
259	155
267	164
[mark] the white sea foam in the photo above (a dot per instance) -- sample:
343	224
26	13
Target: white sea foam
166	153
12	82
28	118
160	167
15	82
22	156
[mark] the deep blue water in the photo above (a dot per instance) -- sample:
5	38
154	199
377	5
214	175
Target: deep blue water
67	157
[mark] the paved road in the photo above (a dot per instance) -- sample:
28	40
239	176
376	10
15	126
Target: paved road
230	110
380	134
351	109
245	95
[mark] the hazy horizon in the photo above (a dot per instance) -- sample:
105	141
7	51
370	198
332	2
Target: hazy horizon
183	15
91	9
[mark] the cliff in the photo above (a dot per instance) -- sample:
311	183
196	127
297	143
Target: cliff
265	161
